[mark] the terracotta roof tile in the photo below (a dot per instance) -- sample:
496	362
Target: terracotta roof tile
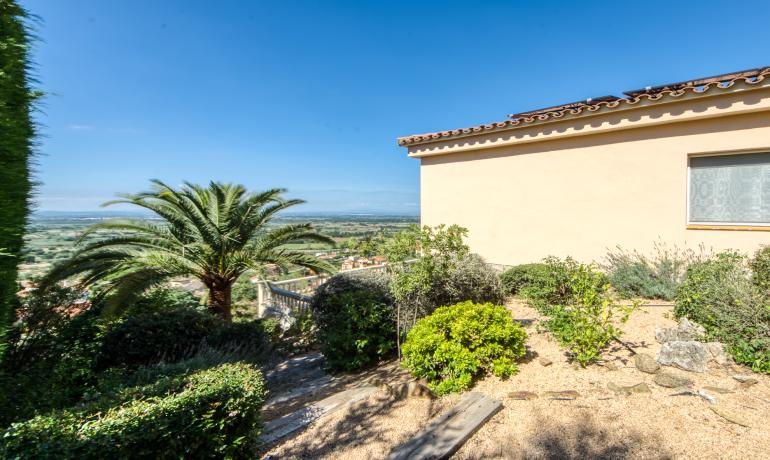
657	93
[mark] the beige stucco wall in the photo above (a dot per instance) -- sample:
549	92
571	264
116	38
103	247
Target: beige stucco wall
579	195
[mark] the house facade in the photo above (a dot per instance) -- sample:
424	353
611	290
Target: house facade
687	164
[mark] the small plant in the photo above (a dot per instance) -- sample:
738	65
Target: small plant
588	323
356	320
633	274
457	343
520	276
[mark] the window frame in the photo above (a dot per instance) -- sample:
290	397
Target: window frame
736	226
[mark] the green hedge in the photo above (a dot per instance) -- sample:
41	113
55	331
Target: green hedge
155	337
520	276
211	413
16	148
459	342
356	320
722	295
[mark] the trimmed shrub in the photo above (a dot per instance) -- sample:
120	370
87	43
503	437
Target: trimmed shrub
430	283
713	288
158	336
633	274
457	343
212	413
760	269
473	280
355	318
719	294
587	324
550	284
520	276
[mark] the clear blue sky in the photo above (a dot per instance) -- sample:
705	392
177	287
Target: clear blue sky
311	95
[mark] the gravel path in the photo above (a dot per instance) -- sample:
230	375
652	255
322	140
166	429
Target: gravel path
596	422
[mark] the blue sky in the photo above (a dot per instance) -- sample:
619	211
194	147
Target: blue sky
311	95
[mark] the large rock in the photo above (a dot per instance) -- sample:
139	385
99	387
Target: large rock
685	331
689	356
646	363
669	380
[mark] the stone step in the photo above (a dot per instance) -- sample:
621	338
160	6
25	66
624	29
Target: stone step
280	427
445	435
308	388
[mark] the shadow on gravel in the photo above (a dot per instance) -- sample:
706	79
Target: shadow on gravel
582	438
360	425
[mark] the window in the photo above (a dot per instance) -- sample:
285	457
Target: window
730	190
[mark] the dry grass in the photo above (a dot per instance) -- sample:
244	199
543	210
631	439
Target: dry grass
598	424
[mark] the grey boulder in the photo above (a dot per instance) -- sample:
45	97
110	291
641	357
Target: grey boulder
689	356
685	331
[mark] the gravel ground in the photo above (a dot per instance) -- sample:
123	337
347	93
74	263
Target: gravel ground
598	423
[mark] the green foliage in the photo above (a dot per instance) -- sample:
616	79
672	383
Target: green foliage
50	363
576	300
213	233
760	269
17	139
368	245
55	360
444	273
550	283
244	291
518	277
355	317
155	337
587	324
163	299
211	413
712	288
253	338
719	294
633	274
457	343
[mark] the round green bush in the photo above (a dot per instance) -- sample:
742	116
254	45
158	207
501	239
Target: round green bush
155	337
520	276
457	343
429	283
212	413
720	295
713	289
355	317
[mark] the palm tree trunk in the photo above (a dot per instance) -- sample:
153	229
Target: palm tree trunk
220	299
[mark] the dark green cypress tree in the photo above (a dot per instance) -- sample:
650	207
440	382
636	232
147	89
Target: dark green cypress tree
17	142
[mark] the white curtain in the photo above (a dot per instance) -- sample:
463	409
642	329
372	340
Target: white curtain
730	189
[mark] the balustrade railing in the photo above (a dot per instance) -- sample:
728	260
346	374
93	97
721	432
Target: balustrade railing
288	299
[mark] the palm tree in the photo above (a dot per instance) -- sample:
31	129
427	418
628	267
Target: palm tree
213	233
